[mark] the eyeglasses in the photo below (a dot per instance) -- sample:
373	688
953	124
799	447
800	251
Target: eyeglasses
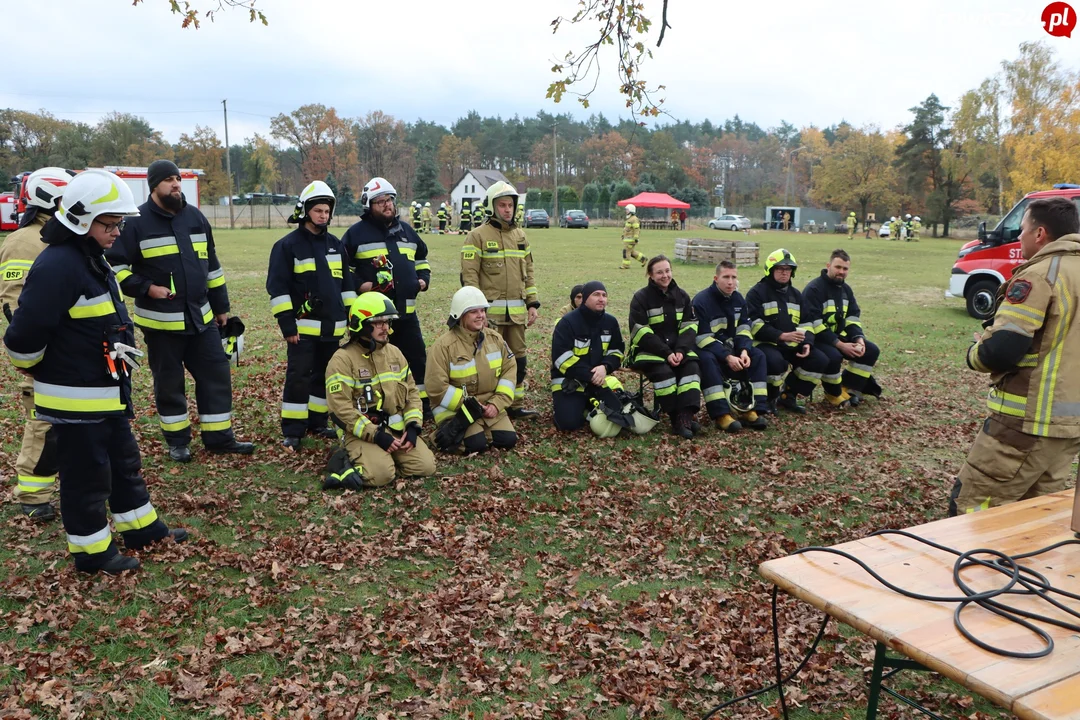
384	200
112	227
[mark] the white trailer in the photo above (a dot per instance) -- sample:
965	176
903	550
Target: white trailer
135	177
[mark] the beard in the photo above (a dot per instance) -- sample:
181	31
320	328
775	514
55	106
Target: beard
172	202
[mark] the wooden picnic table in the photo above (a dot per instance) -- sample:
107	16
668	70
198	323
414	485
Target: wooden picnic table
1046	688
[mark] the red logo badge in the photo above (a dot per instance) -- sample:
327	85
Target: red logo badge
1059	19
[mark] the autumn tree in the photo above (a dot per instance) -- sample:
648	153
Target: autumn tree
261	166
856	170
202	150
125	139
383	152
935	166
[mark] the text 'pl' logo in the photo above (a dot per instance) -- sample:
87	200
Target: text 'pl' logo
1059	19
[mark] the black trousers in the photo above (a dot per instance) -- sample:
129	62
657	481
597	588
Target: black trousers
715	371
805	372
99	464
303	401
410	341
168	354
859	371
678	388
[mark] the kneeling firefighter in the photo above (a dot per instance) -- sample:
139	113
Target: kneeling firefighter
587	348
372	397
471	375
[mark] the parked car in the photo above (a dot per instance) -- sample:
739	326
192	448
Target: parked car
574	219
730	222
537	218
884	231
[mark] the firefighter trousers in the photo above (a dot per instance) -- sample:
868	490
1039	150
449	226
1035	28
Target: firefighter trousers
465	226
1005	465
168	354
714	374
408	338
36	466
678	389
858	375
629	252
514	335
496	432
805	372
303	400
99	464
379	467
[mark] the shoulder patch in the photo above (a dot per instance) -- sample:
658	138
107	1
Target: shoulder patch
1018	291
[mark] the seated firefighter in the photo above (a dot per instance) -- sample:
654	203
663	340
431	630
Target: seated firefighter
586	350
663	334
785	334
729	361
471	376
372	397
575	301
831	298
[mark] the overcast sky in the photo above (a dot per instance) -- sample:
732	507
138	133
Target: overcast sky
807	63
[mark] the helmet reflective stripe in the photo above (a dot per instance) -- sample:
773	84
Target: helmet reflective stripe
91	194
45	186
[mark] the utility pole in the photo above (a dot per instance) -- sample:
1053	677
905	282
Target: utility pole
228	166
555	169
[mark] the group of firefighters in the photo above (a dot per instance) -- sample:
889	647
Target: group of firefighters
360	373
471	215
907	228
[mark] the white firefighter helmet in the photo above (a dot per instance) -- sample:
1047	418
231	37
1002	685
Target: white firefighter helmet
606	422
442	205
427	204
892	219
466	299
500	190
91	194
232	339
46	185
631	209
642	420
908	216
917	218
376	187
310	196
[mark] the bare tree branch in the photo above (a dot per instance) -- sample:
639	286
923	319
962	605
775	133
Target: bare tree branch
664	25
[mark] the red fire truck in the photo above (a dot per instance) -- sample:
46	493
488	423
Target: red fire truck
986	263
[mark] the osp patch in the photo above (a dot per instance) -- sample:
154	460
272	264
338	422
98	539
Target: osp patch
1018	291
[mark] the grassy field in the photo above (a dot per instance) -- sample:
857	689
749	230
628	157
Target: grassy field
572	577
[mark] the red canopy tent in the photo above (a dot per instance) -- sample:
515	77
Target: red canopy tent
654	200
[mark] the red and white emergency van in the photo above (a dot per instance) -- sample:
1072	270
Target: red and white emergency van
986	263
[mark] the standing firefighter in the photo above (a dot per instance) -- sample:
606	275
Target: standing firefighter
519	216
851	224
916	228
441	216
35	469
784	331
465	221
166	260
374	400
496	258
1026	446
311	290
425	217
415	213
389	257
72	333
630	235
471	371
663	334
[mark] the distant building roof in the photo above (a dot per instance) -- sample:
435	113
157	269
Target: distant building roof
486	178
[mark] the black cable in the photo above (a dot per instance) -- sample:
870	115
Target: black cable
776	649
1021	581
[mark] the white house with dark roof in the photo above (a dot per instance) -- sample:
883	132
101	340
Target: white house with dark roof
474	184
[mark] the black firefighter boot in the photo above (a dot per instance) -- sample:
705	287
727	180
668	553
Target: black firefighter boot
679	426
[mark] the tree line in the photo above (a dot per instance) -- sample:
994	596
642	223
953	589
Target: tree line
1018	131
